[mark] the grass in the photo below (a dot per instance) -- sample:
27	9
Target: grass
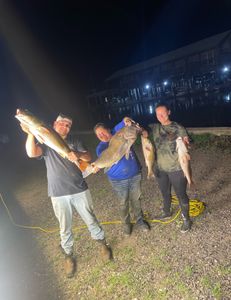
188	271
224	270
123	279
127	252
161	265
213	286
208	141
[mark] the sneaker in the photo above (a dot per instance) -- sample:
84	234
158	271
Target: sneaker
143	225
164	216
186	226
70	265
127	229
105	250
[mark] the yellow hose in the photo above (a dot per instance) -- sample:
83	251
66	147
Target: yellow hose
196	207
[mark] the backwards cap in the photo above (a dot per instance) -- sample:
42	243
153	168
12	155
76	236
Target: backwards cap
62	117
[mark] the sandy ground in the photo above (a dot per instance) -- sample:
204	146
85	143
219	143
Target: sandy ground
160	264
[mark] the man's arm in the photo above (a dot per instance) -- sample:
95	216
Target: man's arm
32	149
76	155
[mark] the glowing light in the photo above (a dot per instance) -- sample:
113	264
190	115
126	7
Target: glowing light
225	69
227	98
150	109
165	82
147	86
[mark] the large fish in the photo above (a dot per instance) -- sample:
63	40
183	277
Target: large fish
149	156
184	159
46	135
118	147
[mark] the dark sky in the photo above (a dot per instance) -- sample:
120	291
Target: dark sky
92	40
86	41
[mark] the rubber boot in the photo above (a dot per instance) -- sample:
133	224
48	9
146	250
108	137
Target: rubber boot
187	223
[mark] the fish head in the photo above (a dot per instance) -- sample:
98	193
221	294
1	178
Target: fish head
130	132
179	141
26	117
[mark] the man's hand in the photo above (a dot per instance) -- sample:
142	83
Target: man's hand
128	121
72	156
25	128
186	140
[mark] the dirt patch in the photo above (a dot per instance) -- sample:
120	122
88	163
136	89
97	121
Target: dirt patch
160	264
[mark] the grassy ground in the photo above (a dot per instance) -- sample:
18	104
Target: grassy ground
160	264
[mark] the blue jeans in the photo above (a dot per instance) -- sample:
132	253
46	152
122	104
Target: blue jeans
83	204
128	192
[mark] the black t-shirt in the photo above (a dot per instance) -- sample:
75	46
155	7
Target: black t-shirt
64	177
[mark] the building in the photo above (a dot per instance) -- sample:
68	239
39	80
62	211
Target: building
193	76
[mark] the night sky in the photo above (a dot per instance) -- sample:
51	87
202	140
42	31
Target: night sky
83	44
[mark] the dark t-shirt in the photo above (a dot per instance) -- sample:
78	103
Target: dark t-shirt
64	177
164	137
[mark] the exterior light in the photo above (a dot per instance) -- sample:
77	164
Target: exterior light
225	69
165	82
147	86
227	98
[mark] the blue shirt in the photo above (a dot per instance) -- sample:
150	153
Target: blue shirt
124	168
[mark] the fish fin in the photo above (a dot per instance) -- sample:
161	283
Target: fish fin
127	154
45	129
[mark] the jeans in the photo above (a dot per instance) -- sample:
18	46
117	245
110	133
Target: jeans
179	182
128	192
83	204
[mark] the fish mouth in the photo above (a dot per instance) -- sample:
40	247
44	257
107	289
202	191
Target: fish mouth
18	111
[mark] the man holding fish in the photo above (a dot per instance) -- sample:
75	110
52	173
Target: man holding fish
124	172
66	185
172	165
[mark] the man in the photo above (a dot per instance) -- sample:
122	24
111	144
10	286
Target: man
68	190
168	169
125	178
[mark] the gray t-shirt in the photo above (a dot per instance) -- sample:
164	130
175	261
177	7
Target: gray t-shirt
64	177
